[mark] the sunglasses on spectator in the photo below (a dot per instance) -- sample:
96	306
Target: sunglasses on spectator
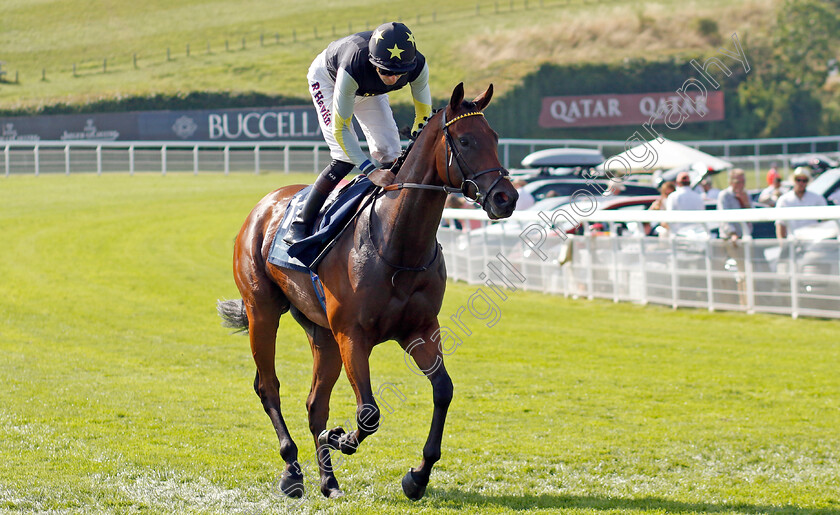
801	179
388	73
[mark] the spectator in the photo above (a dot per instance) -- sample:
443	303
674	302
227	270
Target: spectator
734	197
526	200
799	196
708	191
684	199
770	195
665	189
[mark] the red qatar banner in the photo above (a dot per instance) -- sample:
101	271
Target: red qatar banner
635	109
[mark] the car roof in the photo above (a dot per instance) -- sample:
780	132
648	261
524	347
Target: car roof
563	157
826	182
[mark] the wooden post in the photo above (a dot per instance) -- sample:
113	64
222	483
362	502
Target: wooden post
74	69
188	49
105	65
262	39
243	42
277	38
227	46
135	60
43	74
168	54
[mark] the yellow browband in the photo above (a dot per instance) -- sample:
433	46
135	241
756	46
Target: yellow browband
474	113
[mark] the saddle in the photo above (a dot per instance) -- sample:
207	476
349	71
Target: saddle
338	211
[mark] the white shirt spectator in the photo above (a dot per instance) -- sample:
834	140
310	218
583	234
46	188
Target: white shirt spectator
712	194
525	200
685	199
789	199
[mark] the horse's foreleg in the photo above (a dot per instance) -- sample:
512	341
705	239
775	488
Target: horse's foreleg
354	356
326	367
428	358
263	321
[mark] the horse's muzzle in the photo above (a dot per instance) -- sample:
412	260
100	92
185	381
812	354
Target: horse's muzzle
501	202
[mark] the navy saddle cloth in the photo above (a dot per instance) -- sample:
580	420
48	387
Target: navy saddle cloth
332	219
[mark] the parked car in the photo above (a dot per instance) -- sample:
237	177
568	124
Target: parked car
827	185
568	187
557	162
819	163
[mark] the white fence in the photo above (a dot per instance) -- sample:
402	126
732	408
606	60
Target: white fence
36	157
791	277
161	157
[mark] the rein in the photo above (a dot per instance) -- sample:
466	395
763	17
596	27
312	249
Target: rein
467	182
452	152
399	268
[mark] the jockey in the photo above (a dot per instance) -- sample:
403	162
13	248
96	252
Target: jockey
352	76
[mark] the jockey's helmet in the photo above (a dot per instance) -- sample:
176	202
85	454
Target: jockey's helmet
392	48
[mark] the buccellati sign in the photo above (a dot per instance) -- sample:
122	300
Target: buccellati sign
254	124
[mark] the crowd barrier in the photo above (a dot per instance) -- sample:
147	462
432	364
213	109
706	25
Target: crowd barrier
796	277
36	157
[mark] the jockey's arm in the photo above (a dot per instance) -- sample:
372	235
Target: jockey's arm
422	99
344	98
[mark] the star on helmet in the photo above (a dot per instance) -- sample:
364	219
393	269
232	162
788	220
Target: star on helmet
411	39
396	51
377	35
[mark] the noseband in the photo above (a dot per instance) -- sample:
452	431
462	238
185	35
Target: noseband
466	180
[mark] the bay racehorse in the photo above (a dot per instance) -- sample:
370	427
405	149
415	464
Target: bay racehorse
384	279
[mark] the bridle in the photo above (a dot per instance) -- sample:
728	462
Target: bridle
451	151
467	180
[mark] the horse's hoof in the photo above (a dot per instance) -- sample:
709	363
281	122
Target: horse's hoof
347	444
330	489
334	493
411	488
291	486
330	437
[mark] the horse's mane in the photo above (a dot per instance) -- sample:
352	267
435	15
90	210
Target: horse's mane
466	104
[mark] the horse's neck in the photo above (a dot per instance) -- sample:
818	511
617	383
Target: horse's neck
412	217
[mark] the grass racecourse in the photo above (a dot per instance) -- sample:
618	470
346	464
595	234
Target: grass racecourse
120	391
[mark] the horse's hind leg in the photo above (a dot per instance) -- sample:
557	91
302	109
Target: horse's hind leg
326	367
263	318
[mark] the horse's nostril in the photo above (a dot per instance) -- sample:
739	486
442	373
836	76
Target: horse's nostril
501	198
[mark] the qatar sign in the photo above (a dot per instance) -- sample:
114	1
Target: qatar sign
602	110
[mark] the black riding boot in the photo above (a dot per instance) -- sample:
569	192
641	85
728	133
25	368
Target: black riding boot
302	225
324	184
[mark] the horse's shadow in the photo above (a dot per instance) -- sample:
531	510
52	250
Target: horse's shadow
473	502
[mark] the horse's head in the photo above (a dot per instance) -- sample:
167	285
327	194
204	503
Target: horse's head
469	159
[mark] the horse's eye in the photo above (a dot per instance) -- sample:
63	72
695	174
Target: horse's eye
464	142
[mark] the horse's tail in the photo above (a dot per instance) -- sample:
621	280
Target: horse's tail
233	314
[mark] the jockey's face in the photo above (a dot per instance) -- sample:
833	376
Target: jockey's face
387	77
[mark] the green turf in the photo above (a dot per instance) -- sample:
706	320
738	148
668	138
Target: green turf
121	392
43	39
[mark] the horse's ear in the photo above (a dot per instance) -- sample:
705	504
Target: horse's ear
457	97
483	99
